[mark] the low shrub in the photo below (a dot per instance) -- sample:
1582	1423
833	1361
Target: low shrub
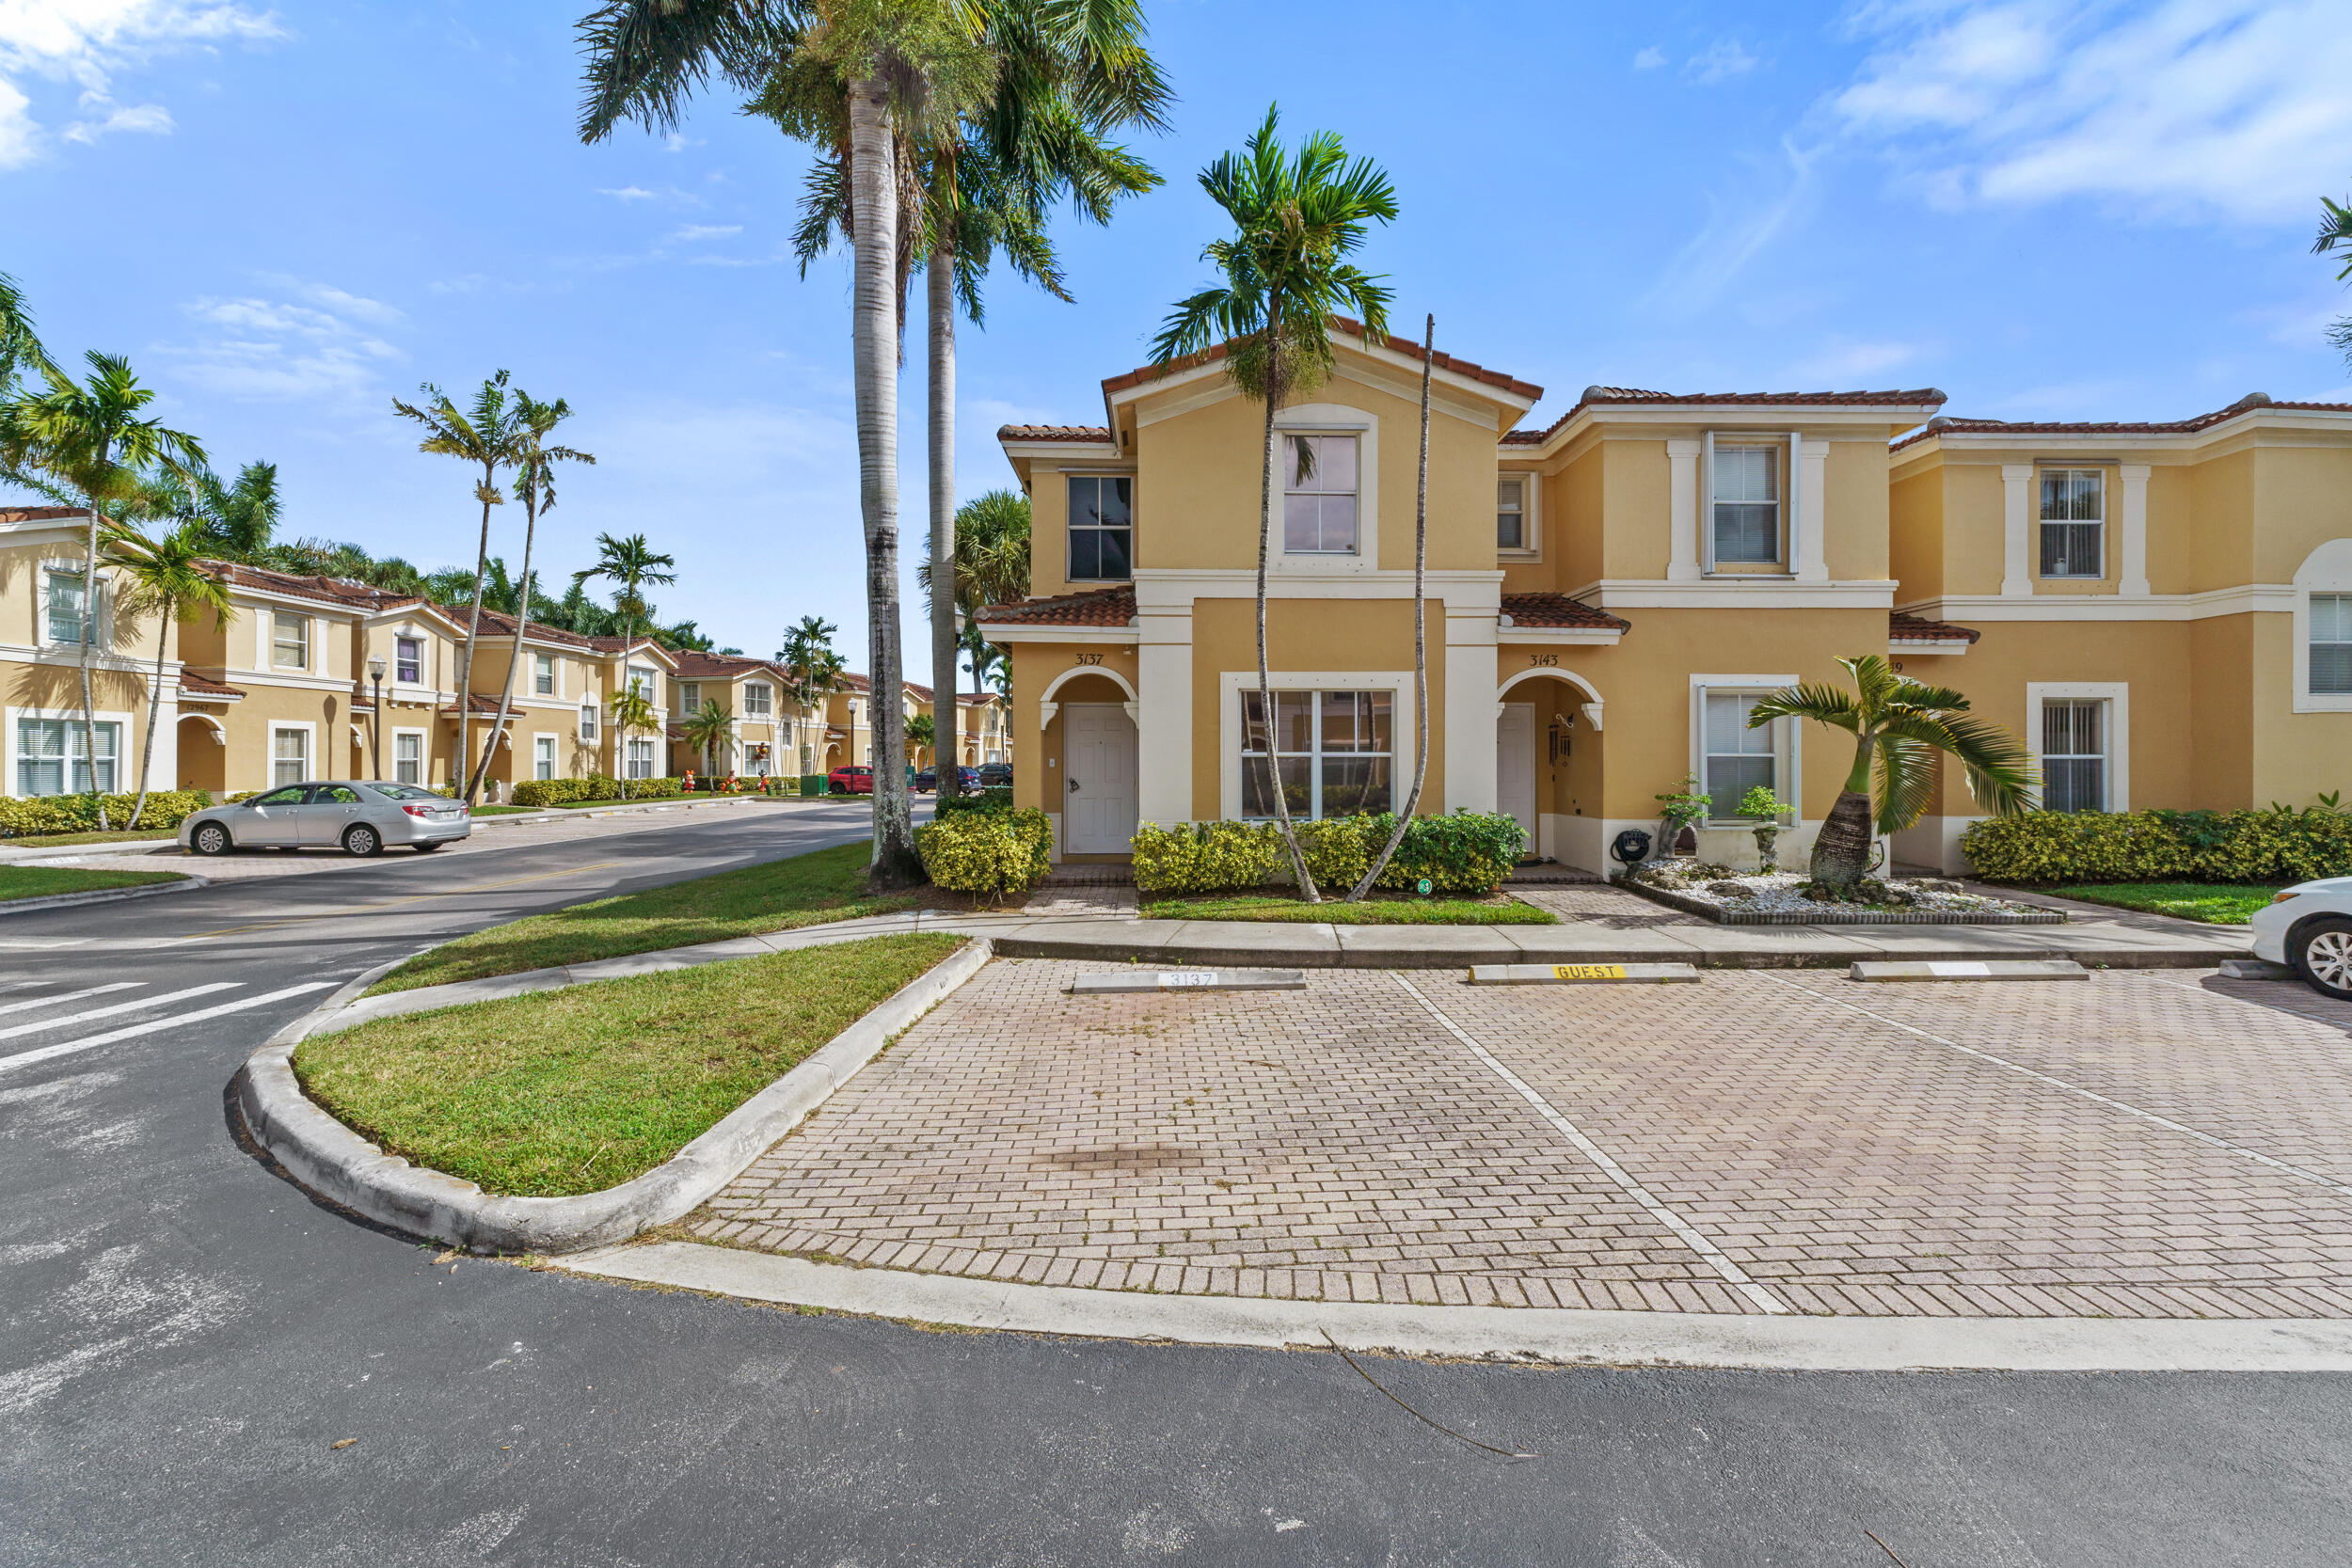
1464	853
2274	844
559	792
78	814
1206	857
997	800
1339	850
990	852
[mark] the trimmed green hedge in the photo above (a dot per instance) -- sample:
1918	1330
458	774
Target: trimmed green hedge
997	800
2276	844
78	814
1468	852
557	792
992	852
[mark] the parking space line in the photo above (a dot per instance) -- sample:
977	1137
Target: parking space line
30	1003
2109	1101
156	1026
84	1015
1732	1273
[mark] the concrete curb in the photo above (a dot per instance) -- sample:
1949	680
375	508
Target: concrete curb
331	1160
1500	1333
188	883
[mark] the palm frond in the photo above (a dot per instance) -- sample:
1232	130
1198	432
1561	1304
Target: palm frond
1823	705
1906	780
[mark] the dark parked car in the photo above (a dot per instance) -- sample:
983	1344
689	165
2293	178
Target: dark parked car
996	775
928	780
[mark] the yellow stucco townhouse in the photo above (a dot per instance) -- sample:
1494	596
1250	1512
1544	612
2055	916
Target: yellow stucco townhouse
768	734
1608	596
46	611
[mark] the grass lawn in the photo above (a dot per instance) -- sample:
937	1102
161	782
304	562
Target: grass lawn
60	841
573	1091
2214	903
806	890
1499	910
46	881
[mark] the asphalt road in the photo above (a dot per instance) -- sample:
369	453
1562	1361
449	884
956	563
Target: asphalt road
184	1335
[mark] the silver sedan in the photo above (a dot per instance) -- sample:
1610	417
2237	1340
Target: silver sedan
357	818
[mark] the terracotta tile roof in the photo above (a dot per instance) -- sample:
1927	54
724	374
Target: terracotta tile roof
978	699
853	681
194	684
1101	606
693	664
334	591
1559	611
42	514
1053	433
1918	629
1411	350
498	623
1916	397
484	705
643	646
2247	404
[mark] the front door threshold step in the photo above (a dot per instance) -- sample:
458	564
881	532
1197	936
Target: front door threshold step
1115	982
1582	974
1982	968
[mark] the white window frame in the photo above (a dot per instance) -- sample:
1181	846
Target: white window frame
425	757
1355	496
94	622
2042	524
544	752
300	620
2326	570
120	722
307	729
1788	740
690	696
759	701
2117	695
1783	506
1530	544
591	725
1315	754
1069	478
644	679
630	761
1336	419
544	667
417	638
1398	684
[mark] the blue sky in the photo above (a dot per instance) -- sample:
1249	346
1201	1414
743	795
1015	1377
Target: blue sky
286	217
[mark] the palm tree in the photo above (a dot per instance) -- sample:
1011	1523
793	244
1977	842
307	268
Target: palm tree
486	436
709	729
812	670
923	732
89	438
632	715
166	577
631	565
535	487
1295	220
2335	238
1421	631
19	345
1899	725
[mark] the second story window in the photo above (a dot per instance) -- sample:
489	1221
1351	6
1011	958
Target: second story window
289	641
408	659
1319	495
641	682
66	606
588	722
543	674
2073	518
1511	514
757	701
690	696
1102	527
2331	645
1746	522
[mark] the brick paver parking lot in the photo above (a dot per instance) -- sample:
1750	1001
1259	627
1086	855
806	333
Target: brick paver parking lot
2145	1145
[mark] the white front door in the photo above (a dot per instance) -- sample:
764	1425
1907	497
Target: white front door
1100	797
1514	766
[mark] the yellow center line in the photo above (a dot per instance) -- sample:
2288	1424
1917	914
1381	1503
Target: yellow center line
395	903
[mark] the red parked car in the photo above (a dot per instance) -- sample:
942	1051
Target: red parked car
850	780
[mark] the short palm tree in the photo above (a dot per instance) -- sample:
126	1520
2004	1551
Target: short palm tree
535	487
812	672
632	715
1295	221
89	438
633	565
990	564
709	729
923	735
1899	726
164	577
486	434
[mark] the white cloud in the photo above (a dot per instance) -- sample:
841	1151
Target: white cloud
629	193
707	231
2188	108
1650	58
88	43
307	342
1720	61
1762	203
1842	363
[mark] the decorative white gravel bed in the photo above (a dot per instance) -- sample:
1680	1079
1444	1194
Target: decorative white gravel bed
1776	899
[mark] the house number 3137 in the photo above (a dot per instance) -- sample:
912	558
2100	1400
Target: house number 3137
1085	659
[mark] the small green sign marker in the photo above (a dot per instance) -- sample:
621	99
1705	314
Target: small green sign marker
1425	887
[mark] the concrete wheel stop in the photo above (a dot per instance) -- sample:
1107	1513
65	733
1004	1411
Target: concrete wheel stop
1975	969
1583	974
1122	982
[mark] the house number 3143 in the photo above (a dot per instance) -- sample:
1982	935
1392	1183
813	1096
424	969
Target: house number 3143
1544	662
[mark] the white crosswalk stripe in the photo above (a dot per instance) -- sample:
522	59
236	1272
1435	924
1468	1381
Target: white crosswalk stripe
30	1003
38	1024
156	1026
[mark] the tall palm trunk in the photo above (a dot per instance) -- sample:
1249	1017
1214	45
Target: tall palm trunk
1266	536
1842	850
522	619
944	709
473	630
1420	629
166	613
89	646
874	336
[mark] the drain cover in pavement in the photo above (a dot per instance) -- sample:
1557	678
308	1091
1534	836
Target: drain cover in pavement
1118	981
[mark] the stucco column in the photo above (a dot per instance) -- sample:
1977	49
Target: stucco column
2016	538
1163	718
1471	711
1812	467
1682	511
2016	533
2135	529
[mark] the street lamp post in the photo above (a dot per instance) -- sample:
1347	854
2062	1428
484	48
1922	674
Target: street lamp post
375	674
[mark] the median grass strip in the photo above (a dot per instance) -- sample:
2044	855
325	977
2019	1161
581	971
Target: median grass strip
1500	909
48	882
573	1091
61	841
2210	903
806	890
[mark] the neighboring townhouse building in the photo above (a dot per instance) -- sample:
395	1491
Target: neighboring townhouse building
768	734
984	728
558	722
850	721
651	672
1608	594
2163	611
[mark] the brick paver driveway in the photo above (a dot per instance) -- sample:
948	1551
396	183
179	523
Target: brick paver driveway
2145	1145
